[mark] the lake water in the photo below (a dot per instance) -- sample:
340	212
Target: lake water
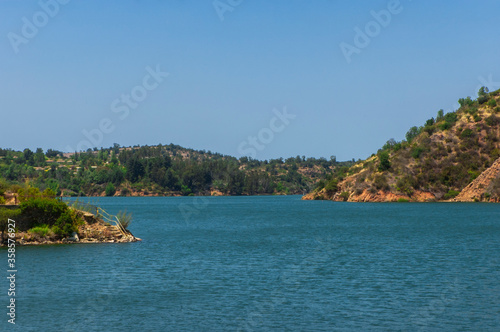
270	263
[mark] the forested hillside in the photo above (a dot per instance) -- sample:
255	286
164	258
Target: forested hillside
435	162
160	170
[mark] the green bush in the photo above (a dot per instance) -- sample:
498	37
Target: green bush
416	151
450	117
406	185
492	120
492	103
444	126
50	212
124	218
403	200
451	194
41	230
42	211
380	183
412	133
345	196
467	133
331	187
481	100
384	163
110	189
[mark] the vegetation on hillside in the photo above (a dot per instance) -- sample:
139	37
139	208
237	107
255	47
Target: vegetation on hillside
439	158
41	215
161	170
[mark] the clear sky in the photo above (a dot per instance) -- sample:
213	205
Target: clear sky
349	74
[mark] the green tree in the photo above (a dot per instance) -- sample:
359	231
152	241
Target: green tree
483	91
440	115
110	189
384	163
412	133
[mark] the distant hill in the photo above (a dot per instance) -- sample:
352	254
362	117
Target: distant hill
435	162
161	170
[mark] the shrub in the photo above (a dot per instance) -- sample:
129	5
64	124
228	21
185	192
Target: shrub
467	133
41	230
411	134
492	120
472	110
331	187
320	185
26	194
492	103
124	218
384	164
482	99
450	117
444	126
416	151
345	196
451	194
406	185
110	189
477	118
380	182
42	211
403	200
465	101
430	129
45	211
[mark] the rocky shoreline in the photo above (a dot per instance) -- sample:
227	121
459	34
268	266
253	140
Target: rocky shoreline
93	230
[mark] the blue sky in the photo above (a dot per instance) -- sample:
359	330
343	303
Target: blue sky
228	78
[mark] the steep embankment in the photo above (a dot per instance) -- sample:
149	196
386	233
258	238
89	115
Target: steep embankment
484	187
435	162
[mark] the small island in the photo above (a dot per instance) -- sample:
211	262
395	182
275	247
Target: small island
41	218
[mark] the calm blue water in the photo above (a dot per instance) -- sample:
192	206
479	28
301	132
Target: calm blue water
270	263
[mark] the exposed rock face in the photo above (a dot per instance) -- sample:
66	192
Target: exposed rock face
367	196
477	189
387	196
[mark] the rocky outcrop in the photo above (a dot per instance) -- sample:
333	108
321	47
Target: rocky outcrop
367	196
387	196
92	230
479	189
